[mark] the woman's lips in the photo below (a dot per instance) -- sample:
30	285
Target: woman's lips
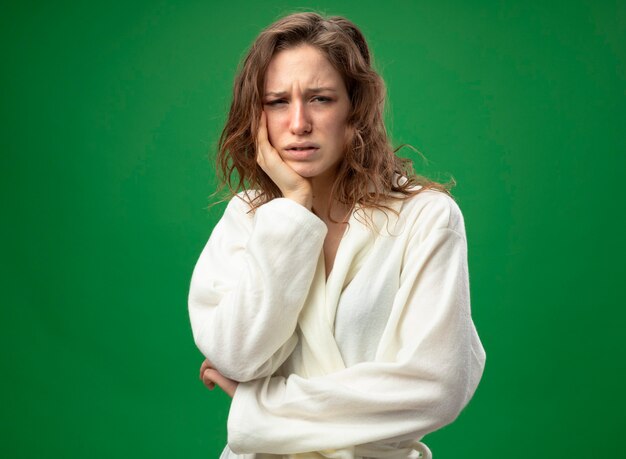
301	153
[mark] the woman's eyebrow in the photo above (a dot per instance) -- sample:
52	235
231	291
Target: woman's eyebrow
322	89
307	91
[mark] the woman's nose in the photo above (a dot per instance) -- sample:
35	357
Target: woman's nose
300	122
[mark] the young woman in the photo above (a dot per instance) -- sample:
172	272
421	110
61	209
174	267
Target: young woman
332	298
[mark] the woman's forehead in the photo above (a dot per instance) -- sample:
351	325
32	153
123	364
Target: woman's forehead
303	68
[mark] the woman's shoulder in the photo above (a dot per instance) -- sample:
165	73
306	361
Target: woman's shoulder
243	202
431	209
239	211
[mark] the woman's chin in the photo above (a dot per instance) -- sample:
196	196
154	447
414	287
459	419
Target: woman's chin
303	169
306	173
311	170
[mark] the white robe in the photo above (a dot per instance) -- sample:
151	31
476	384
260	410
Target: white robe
363	364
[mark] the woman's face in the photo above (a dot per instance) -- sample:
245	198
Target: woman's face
307	106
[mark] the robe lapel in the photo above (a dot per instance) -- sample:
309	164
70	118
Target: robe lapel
352	251
320	353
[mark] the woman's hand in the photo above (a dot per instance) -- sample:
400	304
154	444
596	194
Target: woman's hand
292	185
210	377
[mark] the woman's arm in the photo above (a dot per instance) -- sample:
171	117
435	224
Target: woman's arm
429	368
249	285
253	276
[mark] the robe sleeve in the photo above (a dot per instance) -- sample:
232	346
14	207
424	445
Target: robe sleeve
250	283
431	364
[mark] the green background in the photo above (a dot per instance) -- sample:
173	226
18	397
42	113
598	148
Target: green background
109	114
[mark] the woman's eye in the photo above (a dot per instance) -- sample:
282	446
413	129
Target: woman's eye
275	102
321	99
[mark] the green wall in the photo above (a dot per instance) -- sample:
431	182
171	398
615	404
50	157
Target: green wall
109	112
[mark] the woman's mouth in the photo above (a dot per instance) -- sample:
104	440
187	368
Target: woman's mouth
301	151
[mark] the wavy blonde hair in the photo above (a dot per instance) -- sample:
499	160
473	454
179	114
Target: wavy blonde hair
368	173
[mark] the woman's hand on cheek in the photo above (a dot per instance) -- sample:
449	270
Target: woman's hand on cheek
210	377
292	185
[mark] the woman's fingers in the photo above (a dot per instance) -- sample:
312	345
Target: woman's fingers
267	156
263	141
207	378
205	365
211	377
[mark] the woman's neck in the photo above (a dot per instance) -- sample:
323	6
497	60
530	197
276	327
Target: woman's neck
323	202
